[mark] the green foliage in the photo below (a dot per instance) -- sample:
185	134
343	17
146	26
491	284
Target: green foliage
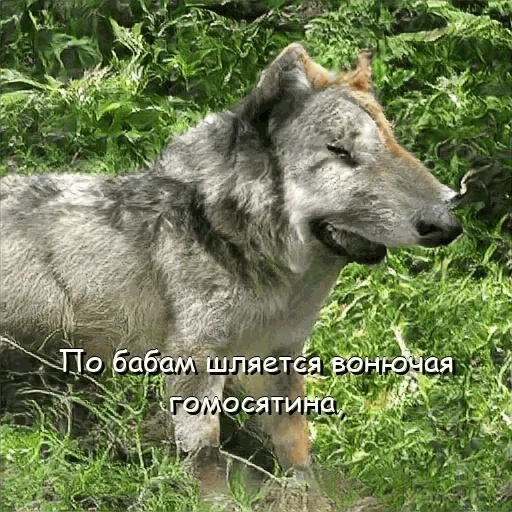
64	477
442	436
151	79
101	85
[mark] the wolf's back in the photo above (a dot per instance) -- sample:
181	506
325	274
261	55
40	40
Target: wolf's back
65	267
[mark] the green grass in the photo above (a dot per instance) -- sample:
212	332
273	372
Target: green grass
97	86
60	476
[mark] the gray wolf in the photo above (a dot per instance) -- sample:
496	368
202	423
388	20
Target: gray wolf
228	244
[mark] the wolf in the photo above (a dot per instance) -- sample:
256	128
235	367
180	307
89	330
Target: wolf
227	245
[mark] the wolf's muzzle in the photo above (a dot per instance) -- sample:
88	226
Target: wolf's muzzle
442	232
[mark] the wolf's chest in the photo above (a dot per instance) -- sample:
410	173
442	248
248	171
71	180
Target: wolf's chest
286	319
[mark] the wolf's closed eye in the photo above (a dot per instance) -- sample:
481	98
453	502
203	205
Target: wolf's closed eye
338	149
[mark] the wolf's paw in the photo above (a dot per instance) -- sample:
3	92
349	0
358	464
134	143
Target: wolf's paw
208	466
298	492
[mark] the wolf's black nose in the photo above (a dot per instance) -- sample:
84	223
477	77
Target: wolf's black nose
433	234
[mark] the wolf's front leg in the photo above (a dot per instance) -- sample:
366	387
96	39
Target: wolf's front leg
288	432
197	436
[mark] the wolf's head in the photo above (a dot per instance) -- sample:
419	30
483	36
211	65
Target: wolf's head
346	180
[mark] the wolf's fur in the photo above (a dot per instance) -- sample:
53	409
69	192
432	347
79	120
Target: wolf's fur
229	243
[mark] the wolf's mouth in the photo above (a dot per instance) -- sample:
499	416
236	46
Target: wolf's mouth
348	244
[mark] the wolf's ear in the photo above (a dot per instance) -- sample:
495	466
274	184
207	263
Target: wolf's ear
295	60
359	78
288	79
